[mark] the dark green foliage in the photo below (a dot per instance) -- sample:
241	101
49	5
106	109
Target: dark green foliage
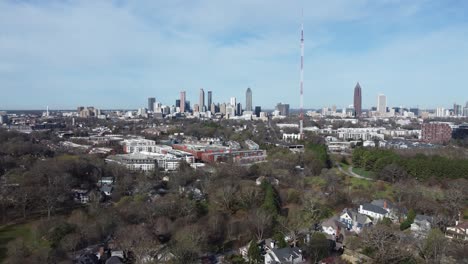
254	253
56	234
271	202
391	167
280	241
409	220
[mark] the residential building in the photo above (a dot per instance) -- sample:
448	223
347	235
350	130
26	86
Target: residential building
355	221
421	225
357	101
138	145
284	255
376	212
459	231
436	132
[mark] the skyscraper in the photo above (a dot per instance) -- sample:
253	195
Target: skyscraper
382	104
202	100
209	99
182	102
283	109
151	101
357	100
248	100
233	101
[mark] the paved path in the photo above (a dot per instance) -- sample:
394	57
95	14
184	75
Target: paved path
351	173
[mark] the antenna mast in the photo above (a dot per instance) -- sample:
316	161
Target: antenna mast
301	116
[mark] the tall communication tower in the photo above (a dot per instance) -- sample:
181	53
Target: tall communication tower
301	116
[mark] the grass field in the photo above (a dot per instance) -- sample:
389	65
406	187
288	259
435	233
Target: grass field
364	173
11	232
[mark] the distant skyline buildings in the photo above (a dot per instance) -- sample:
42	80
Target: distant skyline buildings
182	102
358	100
381	104
248	100
201	104
151	101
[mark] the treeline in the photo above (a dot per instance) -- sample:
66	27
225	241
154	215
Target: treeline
390	166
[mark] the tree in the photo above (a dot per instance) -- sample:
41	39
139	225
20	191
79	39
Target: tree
385	245
318	247
434	247
254	253
260	222
138	240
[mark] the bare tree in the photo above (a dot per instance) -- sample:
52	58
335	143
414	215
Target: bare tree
434	247
260	222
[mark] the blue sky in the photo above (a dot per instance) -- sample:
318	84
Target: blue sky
115	54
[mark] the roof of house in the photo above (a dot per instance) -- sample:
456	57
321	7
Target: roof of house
381	203
332	222
355	216
284	254
420	218
374	208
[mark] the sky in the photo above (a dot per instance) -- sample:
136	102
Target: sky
116	54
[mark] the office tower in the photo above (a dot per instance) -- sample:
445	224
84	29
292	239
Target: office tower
213	108
233	101
201	104
222	108
210	93
188	108
283	109
196	108
238	109
258	109
151	101
183	107
248	100
357	100
177	103
457	110
440	112
382	104
415	111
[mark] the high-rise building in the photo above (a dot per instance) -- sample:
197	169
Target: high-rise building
457	110
357	100
440	112
182	102
248	100
209	99
283	109
151	101
382	104
222	108
239	109
177	103
258	109
201	104
233	101
415	111
438	133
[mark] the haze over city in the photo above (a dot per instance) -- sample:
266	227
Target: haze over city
115	54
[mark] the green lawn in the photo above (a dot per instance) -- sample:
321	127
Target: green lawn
364	173
357	183
10	232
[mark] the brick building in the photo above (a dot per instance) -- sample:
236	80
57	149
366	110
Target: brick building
437	133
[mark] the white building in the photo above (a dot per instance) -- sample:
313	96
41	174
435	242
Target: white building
382	104
138	145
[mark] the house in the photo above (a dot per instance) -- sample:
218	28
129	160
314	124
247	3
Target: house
264	245
106	189
105	181
354	221
80	195
333	227
395	213
284	255
421	225
459	231
377	213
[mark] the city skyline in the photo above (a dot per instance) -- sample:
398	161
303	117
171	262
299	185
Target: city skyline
138	50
